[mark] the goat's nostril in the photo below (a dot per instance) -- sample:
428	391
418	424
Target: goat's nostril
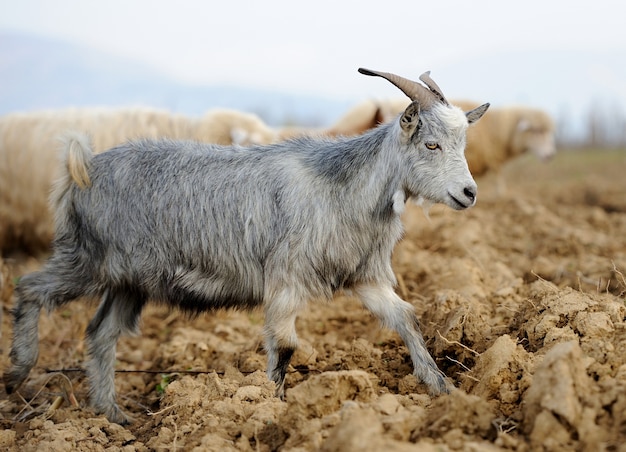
470	192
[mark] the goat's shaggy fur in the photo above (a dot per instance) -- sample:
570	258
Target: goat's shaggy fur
6	288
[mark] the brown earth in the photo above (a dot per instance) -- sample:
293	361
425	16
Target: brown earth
522	303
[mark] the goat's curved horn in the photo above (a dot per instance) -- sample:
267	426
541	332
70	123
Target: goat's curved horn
425	77
415	91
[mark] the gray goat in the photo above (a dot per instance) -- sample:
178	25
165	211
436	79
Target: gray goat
204	227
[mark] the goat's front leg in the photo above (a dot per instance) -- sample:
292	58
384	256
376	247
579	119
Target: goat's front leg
397	314
281	339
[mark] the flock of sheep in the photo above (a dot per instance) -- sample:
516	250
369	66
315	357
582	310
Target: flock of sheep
29	147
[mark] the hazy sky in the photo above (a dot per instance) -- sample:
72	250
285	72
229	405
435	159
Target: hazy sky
316	47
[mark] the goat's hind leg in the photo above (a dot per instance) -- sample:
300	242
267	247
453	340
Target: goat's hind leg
25	347
117	314
397	314
44	289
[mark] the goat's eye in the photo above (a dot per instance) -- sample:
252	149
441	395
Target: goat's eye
433	146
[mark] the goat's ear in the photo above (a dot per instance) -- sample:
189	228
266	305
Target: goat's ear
379	117
477	113
409	121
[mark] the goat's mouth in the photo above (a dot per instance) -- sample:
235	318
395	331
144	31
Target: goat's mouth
456	204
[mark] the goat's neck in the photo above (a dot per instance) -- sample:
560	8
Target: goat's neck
371	171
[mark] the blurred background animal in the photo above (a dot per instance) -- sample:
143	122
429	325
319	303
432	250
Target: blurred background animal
29	155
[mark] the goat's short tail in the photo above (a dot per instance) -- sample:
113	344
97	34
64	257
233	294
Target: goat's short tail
74	167
78	155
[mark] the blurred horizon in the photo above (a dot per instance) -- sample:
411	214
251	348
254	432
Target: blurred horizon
298	65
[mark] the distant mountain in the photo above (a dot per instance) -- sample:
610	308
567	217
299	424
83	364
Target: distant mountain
572	85
41	73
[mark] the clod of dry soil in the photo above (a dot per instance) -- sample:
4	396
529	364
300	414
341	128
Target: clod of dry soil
521	301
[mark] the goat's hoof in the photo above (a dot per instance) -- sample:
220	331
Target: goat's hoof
436	382
280	395
116	415
13	379
440	390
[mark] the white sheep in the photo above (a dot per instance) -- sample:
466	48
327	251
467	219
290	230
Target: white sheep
29	151
226	127
360	118
506	133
